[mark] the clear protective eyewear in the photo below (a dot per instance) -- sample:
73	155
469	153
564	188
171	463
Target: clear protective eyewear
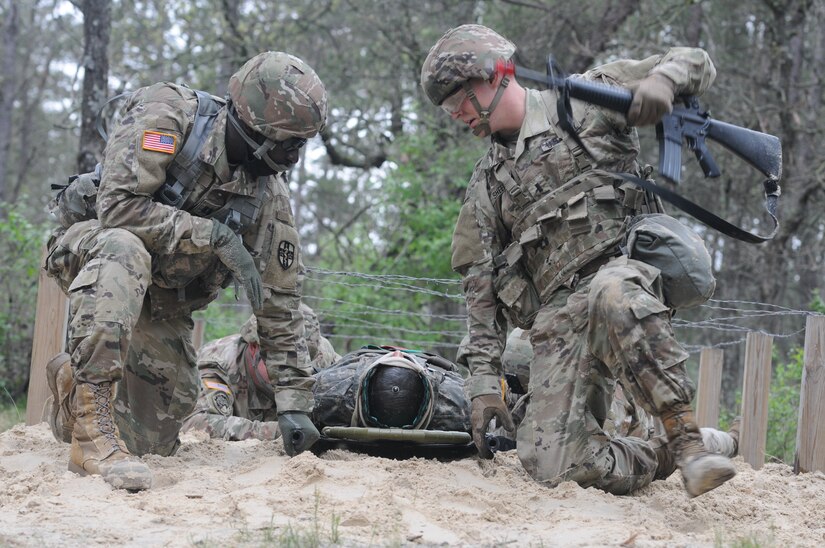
452	103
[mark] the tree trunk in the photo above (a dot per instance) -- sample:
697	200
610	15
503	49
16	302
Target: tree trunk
97	25
8	81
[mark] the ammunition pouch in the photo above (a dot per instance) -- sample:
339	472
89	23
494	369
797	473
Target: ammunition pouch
514	287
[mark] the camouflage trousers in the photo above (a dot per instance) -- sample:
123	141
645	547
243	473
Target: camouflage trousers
112	337
612	325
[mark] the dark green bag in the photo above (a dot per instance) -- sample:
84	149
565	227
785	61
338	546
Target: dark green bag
663	242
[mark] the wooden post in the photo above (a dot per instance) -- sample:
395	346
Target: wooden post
810	432
710	387
50	322
197	333
755	391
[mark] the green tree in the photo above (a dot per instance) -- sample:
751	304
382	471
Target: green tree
21	249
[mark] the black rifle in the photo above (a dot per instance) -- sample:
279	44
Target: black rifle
687	123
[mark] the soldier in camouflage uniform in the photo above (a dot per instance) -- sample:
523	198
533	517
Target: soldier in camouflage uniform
135	272
624	418
539	235
236	399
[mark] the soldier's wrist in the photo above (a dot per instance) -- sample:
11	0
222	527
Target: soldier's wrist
289	400
480	385
201	232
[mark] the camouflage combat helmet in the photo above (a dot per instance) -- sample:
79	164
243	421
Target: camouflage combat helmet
463	53
279	96
517	357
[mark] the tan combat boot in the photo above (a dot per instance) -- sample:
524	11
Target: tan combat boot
701	470
96	444
666	464
60	417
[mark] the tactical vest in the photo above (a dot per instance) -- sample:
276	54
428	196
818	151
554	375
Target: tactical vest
76	200
557	233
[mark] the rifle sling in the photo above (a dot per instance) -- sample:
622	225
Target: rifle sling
772	192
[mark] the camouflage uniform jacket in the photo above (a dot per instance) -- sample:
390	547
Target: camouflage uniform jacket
186	275
538	210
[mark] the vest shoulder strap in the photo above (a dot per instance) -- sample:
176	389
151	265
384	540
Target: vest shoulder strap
187	167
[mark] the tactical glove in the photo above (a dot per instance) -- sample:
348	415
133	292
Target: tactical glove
652	99
484	408
297	431
231	252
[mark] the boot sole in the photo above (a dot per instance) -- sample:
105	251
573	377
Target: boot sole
709	484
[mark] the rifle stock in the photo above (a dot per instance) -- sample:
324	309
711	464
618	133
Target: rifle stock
761	150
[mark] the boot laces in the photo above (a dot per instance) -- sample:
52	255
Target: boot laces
103	410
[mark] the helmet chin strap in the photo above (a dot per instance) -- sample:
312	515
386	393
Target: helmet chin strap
483	129
261	152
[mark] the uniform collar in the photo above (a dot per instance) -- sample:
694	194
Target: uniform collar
213	152
535	119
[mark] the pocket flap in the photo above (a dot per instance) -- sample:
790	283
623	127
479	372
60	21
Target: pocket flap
512	290
85	278
644	305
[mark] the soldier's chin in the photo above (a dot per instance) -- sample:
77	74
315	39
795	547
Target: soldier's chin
481	130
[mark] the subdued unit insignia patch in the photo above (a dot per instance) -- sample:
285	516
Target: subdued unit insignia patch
286	254
222	403
159	142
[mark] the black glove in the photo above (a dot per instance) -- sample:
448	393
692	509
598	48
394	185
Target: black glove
484	408
231	252
297	431
652	99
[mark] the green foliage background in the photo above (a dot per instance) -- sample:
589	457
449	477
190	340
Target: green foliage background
21	242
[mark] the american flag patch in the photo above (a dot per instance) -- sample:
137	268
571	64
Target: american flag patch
161	142
216	386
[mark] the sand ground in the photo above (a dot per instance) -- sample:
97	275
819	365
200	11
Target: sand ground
250	494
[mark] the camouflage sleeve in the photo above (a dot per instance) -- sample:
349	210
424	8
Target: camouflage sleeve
689	68
475	242
134	167
213	415
281	327
486	328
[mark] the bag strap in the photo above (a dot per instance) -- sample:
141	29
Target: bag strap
772	193
187	167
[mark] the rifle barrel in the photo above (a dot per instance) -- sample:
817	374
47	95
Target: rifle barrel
613	97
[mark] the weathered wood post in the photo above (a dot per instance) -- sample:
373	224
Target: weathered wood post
810	432
755	391
197	333
51	316
710	387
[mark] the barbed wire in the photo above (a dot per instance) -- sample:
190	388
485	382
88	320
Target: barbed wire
416	344
383	327
392	312
725	312
404	287
448	281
